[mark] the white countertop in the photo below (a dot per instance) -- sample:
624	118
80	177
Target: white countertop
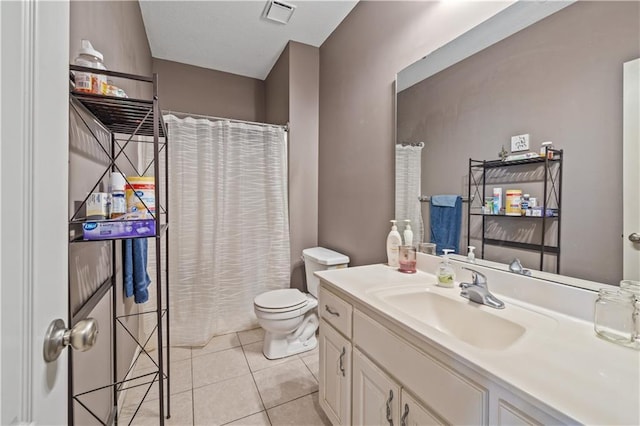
564	366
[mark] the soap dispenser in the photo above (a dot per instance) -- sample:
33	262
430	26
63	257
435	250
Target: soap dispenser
394	241
445	274
471	256
408	233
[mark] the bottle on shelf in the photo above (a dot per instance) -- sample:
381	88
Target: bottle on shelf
90	82
117	192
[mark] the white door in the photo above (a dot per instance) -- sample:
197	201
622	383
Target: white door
34	37
631	171
376	397
335	375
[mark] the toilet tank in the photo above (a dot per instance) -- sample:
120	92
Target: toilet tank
321	259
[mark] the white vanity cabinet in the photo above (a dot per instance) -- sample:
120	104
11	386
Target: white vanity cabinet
376	397
335	357
373	371
416	414
380	400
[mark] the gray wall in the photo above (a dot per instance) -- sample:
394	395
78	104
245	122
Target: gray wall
116	30
559	80
358	65
292	88
304	86
277	90
187	88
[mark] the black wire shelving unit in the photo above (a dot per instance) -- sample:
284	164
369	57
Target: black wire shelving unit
140	121
551	181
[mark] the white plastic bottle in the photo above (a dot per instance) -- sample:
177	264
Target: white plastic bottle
445	273
408	233
471	256
117	183
90	82
394	241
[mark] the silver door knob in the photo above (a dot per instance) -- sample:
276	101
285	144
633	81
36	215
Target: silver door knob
634	238
81	337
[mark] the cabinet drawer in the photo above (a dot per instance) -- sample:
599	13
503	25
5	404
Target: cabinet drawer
456	398
335	311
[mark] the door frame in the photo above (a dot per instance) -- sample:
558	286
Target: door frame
34	36
630	171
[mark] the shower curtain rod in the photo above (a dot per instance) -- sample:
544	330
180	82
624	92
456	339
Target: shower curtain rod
209	117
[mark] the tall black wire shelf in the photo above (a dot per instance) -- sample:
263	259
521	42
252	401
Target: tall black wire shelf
140	121
550	206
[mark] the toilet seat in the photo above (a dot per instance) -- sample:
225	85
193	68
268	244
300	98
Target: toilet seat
283	300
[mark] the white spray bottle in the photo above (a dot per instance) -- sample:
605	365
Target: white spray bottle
394	241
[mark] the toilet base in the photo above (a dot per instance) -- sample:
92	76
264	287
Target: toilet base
278	346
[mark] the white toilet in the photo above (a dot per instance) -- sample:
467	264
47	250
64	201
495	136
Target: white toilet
288	316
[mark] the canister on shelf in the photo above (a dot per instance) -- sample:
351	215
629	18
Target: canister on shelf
544	150
513	201
140	195
97	205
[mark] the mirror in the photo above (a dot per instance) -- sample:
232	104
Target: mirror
553	71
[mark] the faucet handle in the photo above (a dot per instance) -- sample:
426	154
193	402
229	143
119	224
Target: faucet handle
477	278
516	267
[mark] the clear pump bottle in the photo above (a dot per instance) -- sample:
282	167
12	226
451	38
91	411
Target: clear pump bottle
445	273
471	256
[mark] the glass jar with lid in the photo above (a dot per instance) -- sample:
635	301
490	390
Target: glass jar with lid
615	316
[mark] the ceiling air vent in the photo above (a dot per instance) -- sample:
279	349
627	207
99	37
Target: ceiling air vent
279	11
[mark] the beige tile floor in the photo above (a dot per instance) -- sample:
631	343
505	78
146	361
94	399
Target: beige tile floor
230	382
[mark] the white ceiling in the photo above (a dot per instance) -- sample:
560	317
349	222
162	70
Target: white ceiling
232	36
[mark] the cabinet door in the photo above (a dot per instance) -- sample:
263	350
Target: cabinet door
416	414
376	397
335	375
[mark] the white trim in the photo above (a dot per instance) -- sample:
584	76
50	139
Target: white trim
28	123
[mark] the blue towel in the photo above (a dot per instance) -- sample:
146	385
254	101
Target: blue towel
446	220
444	200
134	269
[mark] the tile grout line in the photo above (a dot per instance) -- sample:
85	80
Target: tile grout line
256	385
294	399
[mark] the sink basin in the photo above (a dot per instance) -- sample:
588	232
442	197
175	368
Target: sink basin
463	320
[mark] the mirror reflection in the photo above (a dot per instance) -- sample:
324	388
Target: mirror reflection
559	80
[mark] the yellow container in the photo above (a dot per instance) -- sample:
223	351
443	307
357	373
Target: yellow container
140	195
513	202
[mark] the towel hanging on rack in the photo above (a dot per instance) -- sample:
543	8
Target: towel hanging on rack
134	269
446	220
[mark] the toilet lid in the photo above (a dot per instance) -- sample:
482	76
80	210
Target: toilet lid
290	298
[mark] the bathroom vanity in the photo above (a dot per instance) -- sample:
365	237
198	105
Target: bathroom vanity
395	349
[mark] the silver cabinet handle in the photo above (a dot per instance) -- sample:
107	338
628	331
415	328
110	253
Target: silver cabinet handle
389	418
403	420
344	351
634	238
331	311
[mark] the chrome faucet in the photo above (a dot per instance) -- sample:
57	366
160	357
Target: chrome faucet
477	291
516	267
